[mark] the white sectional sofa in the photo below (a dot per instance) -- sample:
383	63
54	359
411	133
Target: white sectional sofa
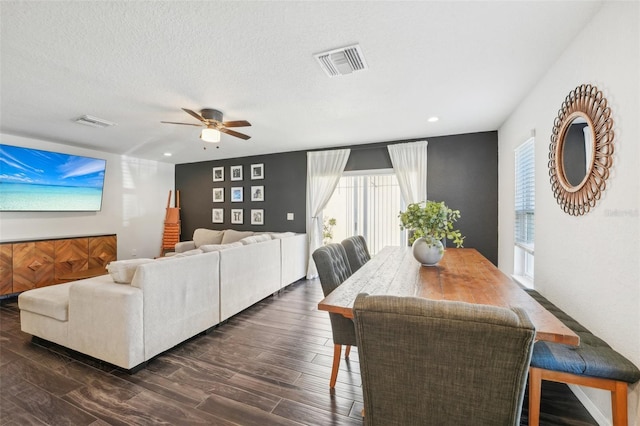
292	253
126	324
248	274
264	263
160	303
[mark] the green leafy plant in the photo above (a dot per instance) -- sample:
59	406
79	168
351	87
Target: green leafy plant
327	229
432	220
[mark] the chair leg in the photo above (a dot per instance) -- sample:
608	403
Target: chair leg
535	388
619	404
347	352
617	388
337	350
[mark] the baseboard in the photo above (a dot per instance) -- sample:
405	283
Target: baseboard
590	406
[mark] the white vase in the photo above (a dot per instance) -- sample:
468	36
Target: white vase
427	253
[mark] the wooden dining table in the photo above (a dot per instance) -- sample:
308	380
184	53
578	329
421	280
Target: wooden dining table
462	275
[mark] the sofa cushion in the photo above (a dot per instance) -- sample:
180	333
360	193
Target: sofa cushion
191	252
51	301
279	235
122	271
219	247
202	236
255	239
173	256
231	236
183	246
248	240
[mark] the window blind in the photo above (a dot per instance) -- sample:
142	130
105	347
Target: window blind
525	196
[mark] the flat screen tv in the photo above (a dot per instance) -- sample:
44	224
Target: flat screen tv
35	180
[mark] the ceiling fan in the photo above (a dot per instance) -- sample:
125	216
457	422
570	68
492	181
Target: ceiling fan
211	119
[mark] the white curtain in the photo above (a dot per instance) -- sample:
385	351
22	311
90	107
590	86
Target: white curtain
409	162
324	169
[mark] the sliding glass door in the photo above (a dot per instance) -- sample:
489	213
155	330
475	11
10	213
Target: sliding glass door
366	203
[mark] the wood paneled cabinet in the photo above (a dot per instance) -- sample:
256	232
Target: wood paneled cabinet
6	268
30	264
72	255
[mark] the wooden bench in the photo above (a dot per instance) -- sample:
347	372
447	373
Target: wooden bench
593	363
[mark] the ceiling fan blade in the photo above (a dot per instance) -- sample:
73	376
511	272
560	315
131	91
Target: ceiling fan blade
238	123
234	133
184	124
194	115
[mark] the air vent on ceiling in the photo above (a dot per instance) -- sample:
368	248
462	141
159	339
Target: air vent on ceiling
94	121
345	60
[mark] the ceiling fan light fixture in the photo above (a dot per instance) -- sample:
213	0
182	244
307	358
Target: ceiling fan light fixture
210	135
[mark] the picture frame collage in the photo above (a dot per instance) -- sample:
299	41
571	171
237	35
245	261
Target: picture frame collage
236	194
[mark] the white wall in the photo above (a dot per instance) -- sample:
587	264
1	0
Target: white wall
133	204
589	266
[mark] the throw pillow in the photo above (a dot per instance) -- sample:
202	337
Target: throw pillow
231	236
249	240
263	237
122	271
202	236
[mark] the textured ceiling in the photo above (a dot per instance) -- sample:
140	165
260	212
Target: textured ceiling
138	63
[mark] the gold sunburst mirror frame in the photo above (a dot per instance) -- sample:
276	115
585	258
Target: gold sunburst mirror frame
587	104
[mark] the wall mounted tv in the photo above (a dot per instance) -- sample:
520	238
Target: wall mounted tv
35	180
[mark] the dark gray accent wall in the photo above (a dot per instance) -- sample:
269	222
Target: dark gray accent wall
462	172
284	182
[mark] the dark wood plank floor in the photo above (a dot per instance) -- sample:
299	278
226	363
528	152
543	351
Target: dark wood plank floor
269	365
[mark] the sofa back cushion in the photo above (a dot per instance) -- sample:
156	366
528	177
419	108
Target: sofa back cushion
280	235
231	236
122	271
207	248
202	236
258	238
189	252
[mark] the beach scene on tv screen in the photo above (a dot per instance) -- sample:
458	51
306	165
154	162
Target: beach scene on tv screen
35	180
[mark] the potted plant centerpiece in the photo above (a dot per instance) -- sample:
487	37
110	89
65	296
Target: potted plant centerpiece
431	222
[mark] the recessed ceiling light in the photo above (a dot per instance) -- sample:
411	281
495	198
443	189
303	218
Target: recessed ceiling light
167	154
433	119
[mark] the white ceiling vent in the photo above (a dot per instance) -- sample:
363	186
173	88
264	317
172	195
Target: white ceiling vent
345	60
94	121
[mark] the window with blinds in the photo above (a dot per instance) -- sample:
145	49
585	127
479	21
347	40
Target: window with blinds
525	196
525	201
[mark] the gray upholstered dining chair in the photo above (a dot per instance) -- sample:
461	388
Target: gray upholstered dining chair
333	268
357	251
426	362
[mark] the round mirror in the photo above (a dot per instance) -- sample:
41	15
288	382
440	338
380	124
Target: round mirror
576	151
581	149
